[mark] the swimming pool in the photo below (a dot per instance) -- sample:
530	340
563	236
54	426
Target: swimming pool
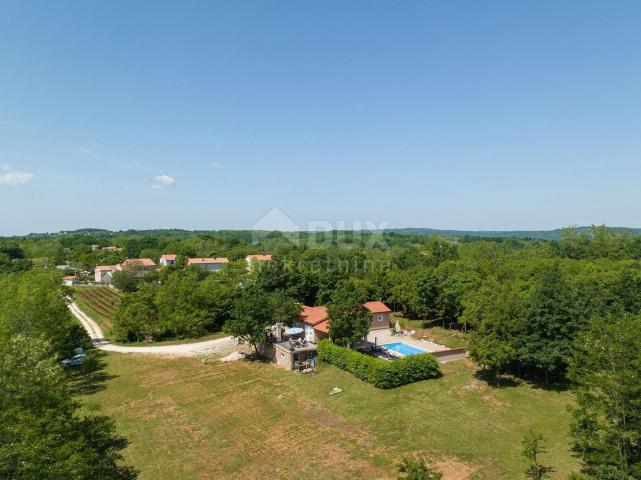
403	348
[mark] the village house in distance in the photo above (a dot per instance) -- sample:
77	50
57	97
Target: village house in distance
252	259
208	264
168	260
104	273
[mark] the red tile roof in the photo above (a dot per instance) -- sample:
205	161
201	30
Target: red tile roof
259	258
377	307
313	315
107	268
69	277
144	262
322	327
169	256
200	261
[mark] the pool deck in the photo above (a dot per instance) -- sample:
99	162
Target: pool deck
383	336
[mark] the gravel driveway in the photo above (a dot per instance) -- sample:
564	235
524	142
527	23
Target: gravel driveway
222	346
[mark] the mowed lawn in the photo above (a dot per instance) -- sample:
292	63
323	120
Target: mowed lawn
187	419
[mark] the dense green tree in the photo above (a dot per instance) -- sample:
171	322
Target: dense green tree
492	311
126	281
606	370
11	249
548	324
42	435
455	280
626	289
32	304
137	317
424	294
440	249
255	311
349	322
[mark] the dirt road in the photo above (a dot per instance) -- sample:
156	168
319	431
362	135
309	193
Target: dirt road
222	346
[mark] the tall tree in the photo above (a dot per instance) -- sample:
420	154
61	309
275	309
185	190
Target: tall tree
255	311
492	311
32	303
137	317
41	434
349	322
548	325
606	369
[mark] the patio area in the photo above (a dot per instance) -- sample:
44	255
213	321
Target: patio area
384	336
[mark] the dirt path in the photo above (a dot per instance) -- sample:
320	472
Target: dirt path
219	346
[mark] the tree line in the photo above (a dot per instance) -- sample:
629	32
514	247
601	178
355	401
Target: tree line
43	435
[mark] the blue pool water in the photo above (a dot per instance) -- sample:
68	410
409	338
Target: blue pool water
403	348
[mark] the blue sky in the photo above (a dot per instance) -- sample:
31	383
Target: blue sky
471	115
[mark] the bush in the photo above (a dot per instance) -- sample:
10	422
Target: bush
379	372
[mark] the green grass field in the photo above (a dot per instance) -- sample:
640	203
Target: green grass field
187	419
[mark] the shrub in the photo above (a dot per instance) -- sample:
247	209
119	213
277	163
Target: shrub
379	372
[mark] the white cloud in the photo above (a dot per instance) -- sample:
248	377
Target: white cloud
12	178
163	181
217	165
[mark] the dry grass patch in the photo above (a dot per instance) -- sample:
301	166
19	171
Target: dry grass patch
189	420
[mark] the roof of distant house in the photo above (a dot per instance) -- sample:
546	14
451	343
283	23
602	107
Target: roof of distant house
260	257
143	262
69	277
313	315
377	307
169	256
200	261
107	268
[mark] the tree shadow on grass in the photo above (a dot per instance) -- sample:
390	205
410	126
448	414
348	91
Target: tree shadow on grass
91	377
510	380
549	387
498	381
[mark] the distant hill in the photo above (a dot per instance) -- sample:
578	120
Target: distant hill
535	234
247	234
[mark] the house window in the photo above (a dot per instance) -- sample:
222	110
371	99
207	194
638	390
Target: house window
380	318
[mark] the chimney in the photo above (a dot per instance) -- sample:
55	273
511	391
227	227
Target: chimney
279	332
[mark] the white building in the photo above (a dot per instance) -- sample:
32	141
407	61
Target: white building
70	280
104	273
252	259
168	259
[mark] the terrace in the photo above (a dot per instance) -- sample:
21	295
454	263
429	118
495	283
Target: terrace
389	344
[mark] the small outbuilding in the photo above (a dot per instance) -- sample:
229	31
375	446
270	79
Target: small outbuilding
70	280
380	314
168	259
292	356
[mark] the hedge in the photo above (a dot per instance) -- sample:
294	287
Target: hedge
381	373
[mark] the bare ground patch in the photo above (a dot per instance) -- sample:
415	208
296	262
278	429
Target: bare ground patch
454	469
